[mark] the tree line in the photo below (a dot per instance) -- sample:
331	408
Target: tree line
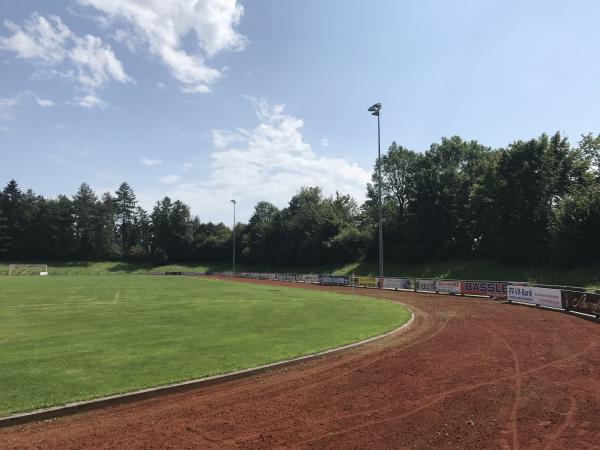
533	201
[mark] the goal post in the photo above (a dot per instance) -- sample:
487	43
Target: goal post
28	269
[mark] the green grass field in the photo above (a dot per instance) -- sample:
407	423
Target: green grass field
479	270
66	338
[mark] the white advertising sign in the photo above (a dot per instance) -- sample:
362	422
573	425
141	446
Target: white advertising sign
449	286
397	283
535	295
310	278
426	285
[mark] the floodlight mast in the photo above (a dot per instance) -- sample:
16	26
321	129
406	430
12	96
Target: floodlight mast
374	110
234	203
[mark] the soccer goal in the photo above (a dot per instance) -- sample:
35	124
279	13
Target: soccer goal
28	269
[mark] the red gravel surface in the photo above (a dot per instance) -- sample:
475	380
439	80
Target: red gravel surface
468	373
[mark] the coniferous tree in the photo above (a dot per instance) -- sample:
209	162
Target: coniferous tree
125	207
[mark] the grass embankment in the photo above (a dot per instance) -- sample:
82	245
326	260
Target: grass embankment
64	339
478	270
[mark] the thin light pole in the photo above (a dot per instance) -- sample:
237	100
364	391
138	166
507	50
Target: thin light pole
234	202
375	109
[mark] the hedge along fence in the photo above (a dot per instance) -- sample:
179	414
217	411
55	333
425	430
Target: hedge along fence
567	298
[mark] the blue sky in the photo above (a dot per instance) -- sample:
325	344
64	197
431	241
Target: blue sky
208	100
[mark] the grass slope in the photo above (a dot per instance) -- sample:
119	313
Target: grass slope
479	270
72	338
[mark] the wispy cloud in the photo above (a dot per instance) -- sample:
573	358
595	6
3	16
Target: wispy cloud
44	103
151	162
169	179
10	105
270	162
91	101
163	26
54	158
58	52
325	142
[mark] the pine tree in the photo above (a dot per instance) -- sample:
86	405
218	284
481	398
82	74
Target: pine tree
125	203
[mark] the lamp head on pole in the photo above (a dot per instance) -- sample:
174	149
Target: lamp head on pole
374	110
233	201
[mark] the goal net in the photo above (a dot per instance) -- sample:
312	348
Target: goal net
28	269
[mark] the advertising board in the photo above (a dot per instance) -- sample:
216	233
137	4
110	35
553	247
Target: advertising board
310	278
398	283
535	295
288	277
584	302
336	281
365	281
426	285
485	288
448	286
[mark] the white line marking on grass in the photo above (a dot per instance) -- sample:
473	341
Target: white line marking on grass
32	306
116	297
61	304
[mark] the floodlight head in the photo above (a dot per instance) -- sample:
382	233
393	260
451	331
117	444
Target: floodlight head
374	110
233	201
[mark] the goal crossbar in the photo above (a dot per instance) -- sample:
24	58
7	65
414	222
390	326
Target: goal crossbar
27	269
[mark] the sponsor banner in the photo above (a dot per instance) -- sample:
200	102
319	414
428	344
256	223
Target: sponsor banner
365	281
398	283
535	295
448	286
336	281
271	276
584	302
425	285
288	277
486	288
310	278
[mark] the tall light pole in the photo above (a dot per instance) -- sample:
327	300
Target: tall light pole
374	110
234	202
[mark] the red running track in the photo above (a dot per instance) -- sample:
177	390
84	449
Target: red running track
468	373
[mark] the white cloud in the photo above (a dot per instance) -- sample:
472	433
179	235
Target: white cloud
91	101
224	138
164	25
58	52
325	142
10	105
151	162
169	179
271	162
44	103
54	158
40	38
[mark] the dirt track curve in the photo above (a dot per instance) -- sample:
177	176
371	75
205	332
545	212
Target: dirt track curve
468	373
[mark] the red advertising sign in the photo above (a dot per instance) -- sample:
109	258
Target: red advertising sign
485	288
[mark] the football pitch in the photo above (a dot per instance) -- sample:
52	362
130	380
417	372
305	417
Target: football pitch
69	338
